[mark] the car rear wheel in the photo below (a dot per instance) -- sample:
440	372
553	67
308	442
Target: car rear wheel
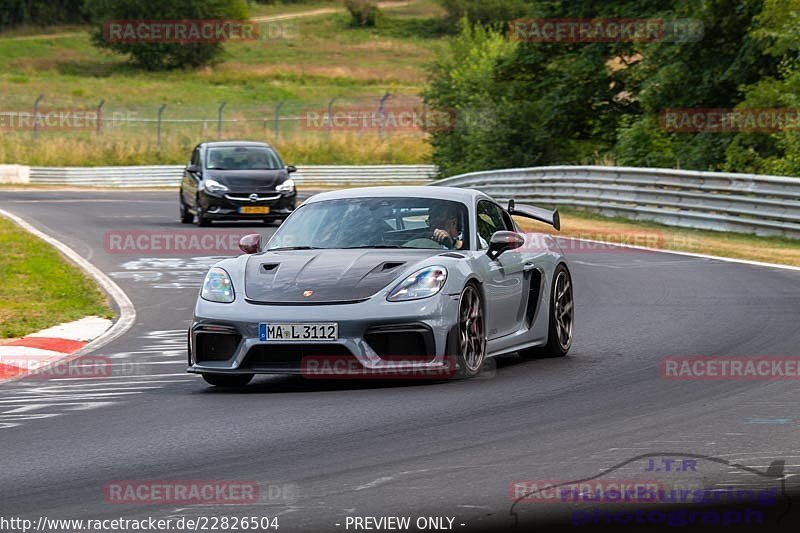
469	343
228	380
562	318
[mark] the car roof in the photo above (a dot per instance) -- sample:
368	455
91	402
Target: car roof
235	143
457	194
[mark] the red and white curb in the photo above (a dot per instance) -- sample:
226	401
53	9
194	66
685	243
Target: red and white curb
72	339
43	349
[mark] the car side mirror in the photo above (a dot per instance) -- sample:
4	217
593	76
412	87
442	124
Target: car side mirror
250	244
192	168
290	169
502	241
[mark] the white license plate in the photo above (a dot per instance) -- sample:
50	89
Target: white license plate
317	331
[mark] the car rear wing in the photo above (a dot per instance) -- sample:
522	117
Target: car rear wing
536	213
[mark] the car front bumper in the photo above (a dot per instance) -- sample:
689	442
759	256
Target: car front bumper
227	205
373	336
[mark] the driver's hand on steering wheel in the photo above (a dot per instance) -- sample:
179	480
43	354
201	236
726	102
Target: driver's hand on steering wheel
441	236
445	239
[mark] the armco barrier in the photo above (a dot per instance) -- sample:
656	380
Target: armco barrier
170	175
764	205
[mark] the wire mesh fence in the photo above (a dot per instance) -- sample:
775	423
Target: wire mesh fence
382	116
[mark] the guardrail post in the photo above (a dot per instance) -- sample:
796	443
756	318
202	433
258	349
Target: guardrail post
158	125
99	120
36	115
219	119
278	120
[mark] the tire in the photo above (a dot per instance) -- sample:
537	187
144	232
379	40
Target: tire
185	215
199	219
228	380
561	320
467	341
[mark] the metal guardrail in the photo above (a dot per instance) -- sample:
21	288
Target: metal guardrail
170	175
763	205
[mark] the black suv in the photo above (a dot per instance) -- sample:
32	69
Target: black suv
233	180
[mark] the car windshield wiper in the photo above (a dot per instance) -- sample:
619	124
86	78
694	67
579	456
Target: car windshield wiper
295	248
373	246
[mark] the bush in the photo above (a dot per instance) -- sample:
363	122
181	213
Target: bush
163	55
485	12
364	12
463	83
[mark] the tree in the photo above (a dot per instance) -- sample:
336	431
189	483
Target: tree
163	55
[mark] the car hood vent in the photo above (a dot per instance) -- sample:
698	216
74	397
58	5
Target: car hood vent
391	265
454	255
296	277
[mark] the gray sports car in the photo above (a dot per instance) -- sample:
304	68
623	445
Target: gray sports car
402	281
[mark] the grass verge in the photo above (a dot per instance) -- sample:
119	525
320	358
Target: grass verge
40	288
581	224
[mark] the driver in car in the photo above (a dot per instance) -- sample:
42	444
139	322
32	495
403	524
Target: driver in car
445	228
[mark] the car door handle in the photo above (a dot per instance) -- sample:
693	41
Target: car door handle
527	267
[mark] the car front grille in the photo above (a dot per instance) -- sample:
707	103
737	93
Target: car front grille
291	357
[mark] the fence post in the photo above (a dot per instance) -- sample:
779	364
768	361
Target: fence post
330	118
158	125
219	120
380	114
36	115
99	112
278	120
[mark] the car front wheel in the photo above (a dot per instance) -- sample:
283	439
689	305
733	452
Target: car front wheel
469	342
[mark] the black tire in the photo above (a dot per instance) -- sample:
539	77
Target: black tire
228	380
560	330
466	344
200	219
185	215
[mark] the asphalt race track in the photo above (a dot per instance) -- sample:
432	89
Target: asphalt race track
321	451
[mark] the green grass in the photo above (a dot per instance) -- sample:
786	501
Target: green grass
322	58
40	288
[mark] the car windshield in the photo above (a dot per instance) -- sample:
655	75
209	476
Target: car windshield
242	158
375	223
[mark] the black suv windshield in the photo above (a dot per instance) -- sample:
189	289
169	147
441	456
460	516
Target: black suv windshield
242	158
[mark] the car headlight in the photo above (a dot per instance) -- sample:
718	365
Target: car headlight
217	286
286	186
214	186
421	284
